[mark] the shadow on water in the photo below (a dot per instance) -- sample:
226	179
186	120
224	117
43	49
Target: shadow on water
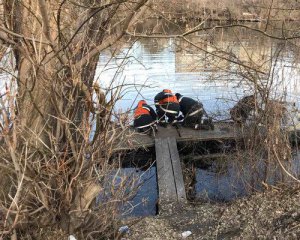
143	203
225	178
222	178
136	182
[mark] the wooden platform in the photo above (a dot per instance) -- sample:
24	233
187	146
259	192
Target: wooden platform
129	139
133	140
169	173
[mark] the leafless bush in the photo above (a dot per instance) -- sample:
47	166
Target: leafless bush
263	149
55	189
57	136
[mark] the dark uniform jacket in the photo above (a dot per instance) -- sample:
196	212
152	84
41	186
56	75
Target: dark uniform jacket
188	105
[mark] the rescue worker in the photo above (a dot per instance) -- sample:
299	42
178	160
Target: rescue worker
144	117
167	106
193	112
241	111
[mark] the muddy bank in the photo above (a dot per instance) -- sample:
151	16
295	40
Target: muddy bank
274	214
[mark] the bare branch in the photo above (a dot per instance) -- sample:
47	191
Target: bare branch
110	41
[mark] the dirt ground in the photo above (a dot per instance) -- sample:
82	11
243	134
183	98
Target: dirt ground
274	214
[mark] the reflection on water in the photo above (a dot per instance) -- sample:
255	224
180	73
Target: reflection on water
148	74
146	66
144	202
221	181
233	180
138	187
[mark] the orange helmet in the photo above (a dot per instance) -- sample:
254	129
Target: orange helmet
141	102
170	97
167	91
140	110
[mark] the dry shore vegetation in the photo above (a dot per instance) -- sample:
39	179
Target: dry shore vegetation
231	10
274	214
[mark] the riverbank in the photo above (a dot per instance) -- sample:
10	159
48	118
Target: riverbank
274	214
227	10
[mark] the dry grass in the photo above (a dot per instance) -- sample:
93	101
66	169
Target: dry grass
230	10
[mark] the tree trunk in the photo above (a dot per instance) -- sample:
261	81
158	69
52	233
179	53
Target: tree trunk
57	58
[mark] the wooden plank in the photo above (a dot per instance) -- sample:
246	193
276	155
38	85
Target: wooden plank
220	132
165	177
206	156
177	170
129	139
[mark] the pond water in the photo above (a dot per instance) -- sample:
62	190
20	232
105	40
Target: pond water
146	66
133	190
230	180
144	203
214	181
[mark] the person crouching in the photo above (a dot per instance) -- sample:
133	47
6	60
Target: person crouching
193	112
144	117
167	106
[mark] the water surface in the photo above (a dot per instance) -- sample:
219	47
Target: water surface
146	66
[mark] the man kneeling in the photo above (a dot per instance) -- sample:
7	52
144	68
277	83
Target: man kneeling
193	112
144	117
167	107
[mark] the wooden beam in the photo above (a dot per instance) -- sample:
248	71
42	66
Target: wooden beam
205	156
130	139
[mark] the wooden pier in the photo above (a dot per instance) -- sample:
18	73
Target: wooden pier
169	172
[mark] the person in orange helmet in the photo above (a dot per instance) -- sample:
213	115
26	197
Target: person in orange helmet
144	117
167	106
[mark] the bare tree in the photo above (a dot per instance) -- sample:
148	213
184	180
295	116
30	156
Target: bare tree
52	169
